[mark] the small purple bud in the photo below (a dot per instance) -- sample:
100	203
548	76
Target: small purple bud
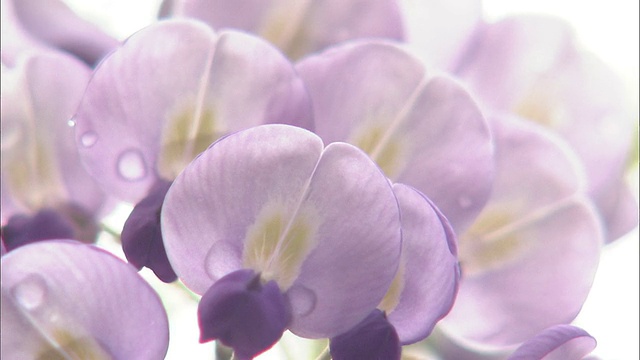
243	313
142	237
46	224
374	338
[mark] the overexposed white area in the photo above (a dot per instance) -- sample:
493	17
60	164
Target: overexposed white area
608	28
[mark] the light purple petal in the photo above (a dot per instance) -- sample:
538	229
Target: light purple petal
229	208
429	268
439	29
40	162
171	90
81	298
504	59
561	342
299	27
533	66
56	25
529	260
422	131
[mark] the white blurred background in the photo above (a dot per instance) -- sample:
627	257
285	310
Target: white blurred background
609	29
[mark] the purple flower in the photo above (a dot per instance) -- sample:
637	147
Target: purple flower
163	97
28	24
532	66
41	169
171	90
297	27
422	292
321	224
423	131
78	301
529	260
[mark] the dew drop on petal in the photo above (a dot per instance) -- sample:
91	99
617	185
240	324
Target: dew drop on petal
71	123
464	202
88	139
30	293
302	300
131	165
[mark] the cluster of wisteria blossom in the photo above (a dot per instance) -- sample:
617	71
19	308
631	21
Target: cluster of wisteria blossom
309	167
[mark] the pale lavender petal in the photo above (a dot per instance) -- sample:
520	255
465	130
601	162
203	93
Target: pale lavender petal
529	260
439	29
533	66
228	210
299	27
423	131
80	298
623	216
170	91
429	268
505	58
561	342
40	163
355	261
56	25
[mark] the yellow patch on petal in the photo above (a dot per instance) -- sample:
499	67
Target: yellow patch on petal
485	246
392	297
542	104
284	27
388	151
69	347
33	178
278	242
188	133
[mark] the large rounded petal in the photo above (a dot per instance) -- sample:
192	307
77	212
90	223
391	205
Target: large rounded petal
79	300
429	267
561	342
529	260
298	27
323	223
423	131
40	163
170	91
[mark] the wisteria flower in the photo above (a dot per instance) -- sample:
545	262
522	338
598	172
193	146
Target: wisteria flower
28	24
279	232
424	131
529	260
165	95
532	66
422	292
297	27
78	302
41	173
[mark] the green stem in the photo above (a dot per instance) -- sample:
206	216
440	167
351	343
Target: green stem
115	234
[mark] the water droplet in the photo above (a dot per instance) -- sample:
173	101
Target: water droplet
131	165
464	202
88	139
71	123
30	292
302	299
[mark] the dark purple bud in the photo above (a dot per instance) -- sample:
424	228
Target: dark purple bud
243	313
374	338
142	238
46	224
